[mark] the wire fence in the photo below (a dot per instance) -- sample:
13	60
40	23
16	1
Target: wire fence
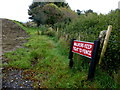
114	41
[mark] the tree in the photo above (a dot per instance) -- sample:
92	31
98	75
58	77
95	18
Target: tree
68	15
88	11
62	4
37	16
53	13
46	12
78	12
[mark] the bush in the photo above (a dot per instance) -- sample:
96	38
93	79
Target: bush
87	28
49	32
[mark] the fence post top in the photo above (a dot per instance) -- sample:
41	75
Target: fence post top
110	26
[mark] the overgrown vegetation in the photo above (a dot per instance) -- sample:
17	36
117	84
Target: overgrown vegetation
87	28
45	61
46	53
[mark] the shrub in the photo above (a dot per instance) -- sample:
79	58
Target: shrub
87	28
49	32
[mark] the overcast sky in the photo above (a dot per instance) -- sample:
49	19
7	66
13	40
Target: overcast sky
18	9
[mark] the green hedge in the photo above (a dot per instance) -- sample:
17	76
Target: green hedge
87	28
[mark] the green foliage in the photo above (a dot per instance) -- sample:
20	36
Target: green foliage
111	61
84	27
68	15
20	58
88	11
87	28
104	80
62	4
49	32
49	61
78	12
29	30
48	14
41	4
51	13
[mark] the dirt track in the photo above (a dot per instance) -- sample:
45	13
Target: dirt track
13	37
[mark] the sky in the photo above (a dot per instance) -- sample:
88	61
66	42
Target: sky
18	9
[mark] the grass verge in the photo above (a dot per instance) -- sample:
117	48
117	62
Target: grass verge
45	61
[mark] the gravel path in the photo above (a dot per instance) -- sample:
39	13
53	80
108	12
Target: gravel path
13	78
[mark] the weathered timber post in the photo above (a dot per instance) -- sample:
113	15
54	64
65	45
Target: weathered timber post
102	37
105	43
71	54
94	60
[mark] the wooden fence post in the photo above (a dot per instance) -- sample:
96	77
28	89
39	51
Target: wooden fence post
71	54
102	37
94	60
105	43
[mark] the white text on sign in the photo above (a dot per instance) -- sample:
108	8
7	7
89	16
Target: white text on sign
83	48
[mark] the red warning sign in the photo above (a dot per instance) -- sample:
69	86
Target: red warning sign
83	48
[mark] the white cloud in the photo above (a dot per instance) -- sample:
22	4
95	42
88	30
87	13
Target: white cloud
18	9
100	6
14	9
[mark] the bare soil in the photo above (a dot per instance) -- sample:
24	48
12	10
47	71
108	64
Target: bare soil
13	37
